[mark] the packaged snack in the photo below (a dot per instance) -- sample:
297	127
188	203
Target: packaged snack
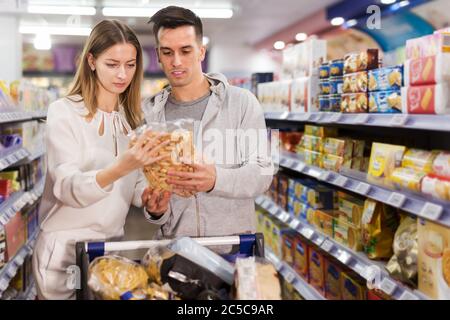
324	70
332	280
325	221
384	159
385	102
260	218
354	103
441	165
312	158
312	143
335	103
352	208
434	259
366	60
426	46
351	288
268	222
403	264
291	202
426	99
181	147
379	224
355	82
436	187
283	186
358	148
324	87
304	94
338	147
111	276
419	159
407	178
256	279
336	84
301	258
317	270
427	70
277	241
309	55
306	212
332	162
290	139
324	103
386	79
357	163
320	197
321	131
348	234
288	247
337	68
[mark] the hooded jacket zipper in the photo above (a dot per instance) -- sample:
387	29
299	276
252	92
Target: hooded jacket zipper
197	215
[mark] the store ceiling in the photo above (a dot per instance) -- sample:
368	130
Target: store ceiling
252	21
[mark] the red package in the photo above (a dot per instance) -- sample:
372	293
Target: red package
428	99
426	46
427	70
15	231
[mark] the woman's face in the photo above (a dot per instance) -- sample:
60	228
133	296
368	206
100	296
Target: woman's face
115	67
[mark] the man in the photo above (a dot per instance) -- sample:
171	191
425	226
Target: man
222	201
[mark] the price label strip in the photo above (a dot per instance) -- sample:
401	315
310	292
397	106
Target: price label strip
327	245
431	211
341	181
284	115
335	117
307	233
294	224
324	175
396	200
388	286
363	188
344	257
290	277
300	166
362	118
399	120
408	296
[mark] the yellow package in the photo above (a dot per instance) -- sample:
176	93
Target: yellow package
338	147
321	131
348	234
421	160
332	162
326	220
260	219
384	159
352	208
379	223
351	288
312	143
312	158
268	231
277	241
407	178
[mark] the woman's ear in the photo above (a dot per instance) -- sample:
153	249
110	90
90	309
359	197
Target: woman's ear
91	61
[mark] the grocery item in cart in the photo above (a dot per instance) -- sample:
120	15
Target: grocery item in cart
427	70
403	264
379	223
434	259
354	103
385	102
441	165
407	178
355	82
386	79
361	61
179	150
384	159
436	187
111	277
426	99
426	46
256	279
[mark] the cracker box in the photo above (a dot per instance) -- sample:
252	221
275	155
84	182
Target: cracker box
334	163
304	95
348	234
384	159
309	55
338	147
278	230
317	270
352	289
15	231
386	79
427	70
312	143
268	223
301	260
354	103
333	272
288	247
320	197
426	99
426	46
385	102
351	207
312	158
325	221
434	259
355	82
361	61
321	131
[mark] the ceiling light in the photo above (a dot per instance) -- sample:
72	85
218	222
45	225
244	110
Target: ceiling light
337	21
42	41
68	31
69	10
388	1
220	13
351	23
205	41
404	3
279	45
301	36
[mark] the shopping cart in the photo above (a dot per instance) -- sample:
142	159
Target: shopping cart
248	245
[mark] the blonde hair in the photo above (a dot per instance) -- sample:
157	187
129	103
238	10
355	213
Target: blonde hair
104	35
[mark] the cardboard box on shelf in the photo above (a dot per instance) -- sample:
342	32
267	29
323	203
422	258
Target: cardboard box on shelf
317	270
352	289
15	231
288	247
386	79
426	99
333	290
426	46
301	257
304	94
319	131
427	70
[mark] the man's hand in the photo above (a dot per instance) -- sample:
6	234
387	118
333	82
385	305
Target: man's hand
156	201
203	179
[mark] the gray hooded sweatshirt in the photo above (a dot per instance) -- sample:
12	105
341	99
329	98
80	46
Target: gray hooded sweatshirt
229	208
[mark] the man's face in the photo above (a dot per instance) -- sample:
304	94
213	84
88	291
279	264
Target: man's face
180	54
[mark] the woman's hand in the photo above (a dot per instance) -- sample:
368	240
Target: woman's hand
156	201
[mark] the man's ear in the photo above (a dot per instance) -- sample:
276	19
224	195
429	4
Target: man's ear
91	61
202	52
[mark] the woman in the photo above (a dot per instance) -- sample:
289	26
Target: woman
92	176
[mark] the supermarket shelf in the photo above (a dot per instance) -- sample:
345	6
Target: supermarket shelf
13	157
18	201
10	269
33	155
289	274
39	114
372	271
14	116
430	209
407	121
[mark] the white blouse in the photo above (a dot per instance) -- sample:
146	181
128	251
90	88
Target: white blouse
77	148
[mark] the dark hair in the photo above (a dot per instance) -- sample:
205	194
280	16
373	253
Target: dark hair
173	17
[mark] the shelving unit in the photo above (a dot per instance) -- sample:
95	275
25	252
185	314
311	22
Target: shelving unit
372	271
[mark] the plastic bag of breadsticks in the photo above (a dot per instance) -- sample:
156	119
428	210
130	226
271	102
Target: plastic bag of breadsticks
179	150
113	277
